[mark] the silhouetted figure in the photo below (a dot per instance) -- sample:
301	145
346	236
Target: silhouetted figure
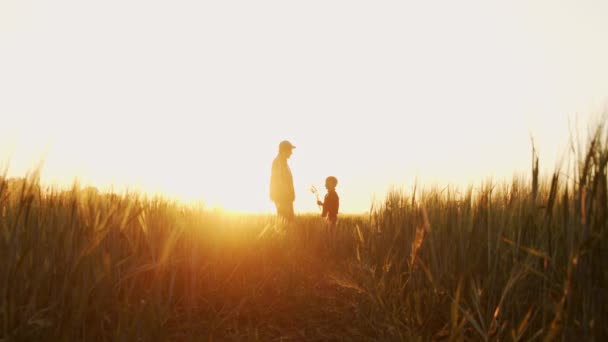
281	182
331	203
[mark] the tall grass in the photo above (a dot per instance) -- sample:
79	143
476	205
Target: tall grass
519	261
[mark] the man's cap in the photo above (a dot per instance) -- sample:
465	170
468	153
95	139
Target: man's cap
286	145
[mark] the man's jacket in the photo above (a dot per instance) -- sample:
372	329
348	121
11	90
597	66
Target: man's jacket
281	182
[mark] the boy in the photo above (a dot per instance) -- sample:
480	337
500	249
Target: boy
331	203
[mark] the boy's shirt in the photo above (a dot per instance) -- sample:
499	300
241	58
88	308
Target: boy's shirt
331	204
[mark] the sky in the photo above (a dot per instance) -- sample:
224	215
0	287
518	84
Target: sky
191	98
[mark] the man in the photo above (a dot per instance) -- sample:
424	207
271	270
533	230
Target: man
281	182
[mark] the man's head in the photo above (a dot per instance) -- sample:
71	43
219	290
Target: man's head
331	182
286	148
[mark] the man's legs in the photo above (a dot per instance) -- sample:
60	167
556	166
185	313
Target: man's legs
285	211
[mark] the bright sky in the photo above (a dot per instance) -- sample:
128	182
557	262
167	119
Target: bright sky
191	98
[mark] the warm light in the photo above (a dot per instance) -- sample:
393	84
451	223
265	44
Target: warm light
191	99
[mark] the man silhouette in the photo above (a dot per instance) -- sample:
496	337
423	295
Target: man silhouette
281	182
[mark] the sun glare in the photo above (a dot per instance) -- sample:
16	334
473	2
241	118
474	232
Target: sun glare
191	101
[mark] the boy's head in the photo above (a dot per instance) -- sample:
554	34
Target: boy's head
331	182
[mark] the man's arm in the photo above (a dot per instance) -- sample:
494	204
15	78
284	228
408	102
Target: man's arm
274	182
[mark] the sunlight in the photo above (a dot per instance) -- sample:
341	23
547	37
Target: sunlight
194	107
303	170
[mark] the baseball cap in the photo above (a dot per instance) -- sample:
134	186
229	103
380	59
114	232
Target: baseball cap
285	145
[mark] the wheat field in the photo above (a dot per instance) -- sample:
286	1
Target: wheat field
518	261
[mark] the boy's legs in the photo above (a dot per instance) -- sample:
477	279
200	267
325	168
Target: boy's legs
331	224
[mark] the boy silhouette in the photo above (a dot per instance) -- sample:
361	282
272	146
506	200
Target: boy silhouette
331	203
